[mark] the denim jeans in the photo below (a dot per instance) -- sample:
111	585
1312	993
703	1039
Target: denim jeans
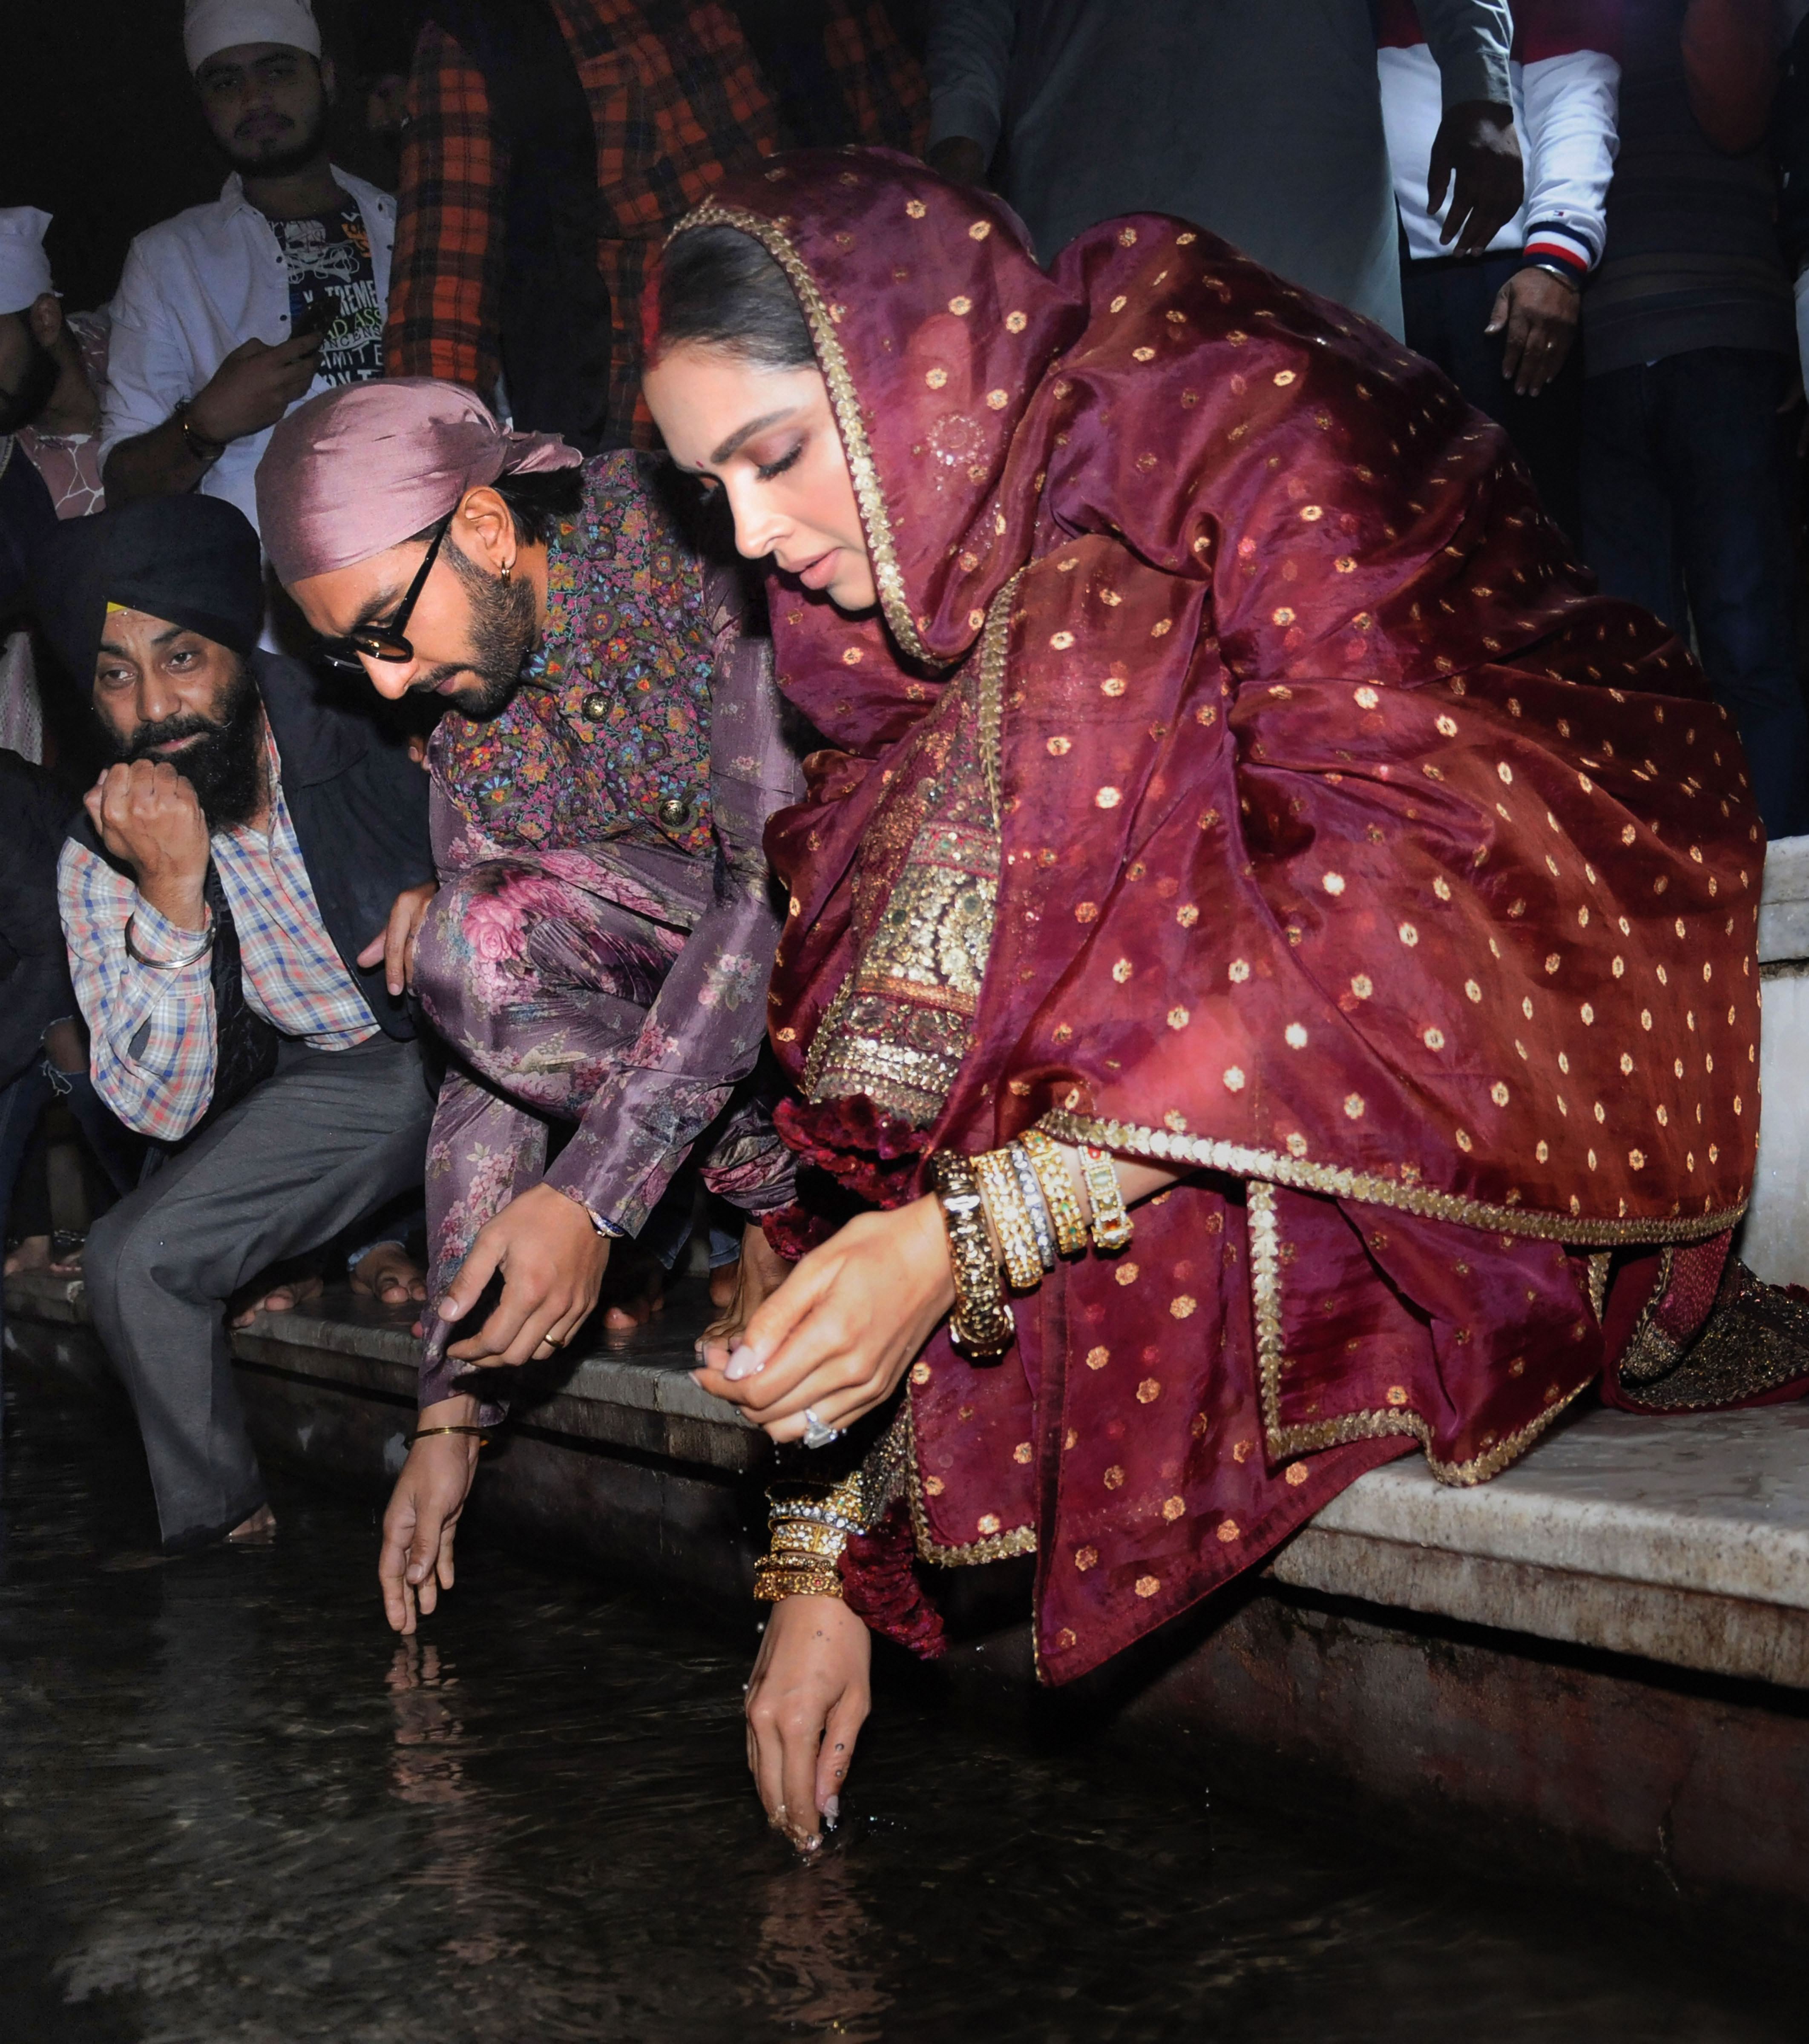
1447	306
1688	507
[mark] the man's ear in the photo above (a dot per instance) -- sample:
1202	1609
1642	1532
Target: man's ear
45	317
330	80
487	527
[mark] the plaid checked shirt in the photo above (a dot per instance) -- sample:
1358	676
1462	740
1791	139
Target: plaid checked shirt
676	108
151	1025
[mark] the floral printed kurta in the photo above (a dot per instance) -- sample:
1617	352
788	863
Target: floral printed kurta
601	945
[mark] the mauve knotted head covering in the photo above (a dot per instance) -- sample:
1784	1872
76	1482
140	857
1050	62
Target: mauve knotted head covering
363	468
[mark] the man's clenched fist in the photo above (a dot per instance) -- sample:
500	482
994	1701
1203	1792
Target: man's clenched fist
148	816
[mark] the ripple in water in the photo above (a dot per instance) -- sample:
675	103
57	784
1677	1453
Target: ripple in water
237	1812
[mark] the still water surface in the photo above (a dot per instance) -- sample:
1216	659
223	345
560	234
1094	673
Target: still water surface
236	1811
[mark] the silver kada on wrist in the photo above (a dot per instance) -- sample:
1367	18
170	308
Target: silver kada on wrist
816	1434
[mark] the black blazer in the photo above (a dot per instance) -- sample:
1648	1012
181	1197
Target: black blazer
359	805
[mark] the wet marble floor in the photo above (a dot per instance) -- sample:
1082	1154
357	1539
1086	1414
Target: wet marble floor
233	1811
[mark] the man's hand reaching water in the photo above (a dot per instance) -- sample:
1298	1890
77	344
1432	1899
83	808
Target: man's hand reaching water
416	1563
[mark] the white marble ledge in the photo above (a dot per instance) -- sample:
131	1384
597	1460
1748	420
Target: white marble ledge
1715	1503
1784	905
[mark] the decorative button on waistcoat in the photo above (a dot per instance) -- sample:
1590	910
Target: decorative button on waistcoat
675	813
595	706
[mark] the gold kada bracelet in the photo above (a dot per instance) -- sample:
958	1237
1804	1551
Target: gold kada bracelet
810	1527
1051	1168
1111	1222
1005	1209
982	1323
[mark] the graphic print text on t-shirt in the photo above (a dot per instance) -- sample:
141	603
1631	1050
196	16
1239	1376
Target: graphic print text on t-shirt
333	288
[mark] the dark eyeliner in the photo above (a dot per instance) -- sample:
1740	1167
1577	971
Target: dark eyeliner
771	469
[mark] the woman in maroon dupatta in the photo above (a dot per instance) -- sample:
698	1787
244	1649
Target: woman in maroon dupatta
1232	772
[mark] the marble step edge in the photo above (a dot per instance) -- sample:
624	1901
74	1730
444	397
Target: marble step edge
1396	1536
643	1399
1739	1638
653	1411
1521	1519
1783	902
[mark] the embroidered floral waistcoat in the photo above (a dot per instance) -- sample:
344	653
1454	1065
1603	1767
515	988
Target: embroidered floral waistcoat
609	734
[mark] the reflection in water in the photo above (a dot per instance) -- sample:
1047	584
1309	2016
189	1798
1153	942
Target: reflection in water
427	1767
238	1813
815	1967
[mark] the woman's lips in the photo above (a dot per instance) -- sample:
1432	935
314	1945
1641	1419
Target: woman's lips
821	571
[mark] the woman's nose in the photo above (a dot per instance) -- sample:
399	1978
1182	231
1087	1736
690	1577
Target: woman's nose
758	529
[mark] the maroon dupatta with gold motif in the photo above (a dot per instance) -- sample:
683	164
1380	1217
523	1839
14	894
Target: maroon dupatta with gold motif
1239	774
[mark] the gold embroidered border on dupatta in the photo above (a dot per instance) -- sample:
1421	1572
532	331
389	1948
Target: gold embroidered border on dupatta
1284	1442
821	317
1237	1160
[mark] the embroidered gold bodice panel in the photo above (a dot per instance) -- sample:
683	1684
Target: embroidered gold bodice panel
925	892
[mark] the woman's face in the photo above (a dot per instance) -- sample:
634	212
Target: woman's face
767	439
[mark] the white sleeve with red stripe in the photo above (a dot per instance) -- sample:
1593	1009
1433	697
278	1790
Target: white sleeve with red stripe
1568	111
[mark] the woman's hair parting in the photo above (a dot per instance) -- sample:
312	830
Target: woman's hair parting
719	288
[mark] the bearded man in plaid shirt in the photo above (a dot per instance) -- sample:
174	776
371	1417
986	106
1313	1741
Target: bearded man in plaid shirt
552	143
236	904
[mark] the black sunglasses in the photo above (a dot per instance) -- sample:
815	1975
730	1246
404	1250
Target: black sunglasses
386	642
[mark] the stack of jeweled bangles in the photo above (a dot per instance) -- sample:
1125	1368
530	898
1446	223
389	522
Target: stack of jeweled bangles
810	1527
1025	1193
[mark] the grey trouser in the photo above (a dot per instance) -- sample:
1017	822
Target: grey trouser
330	1136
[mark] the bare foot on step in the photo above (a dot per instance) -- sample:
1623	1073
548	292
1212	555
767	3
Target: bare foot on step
759	1273
259	1531
283	1298
390	1276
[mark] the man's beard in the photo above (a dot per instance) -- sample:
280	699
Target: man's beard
36	387
292	156
502	632
225	766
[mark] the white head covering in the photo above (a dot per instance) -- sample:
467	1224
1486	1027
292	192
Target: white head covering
24	269
210	26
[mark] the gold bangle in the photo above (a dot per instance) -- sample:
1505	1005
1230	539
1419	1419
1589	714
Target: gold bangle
1051	1168
1111	1223
1035	1205
775	1579
482	1433
1011	1223
807	1537
981	1322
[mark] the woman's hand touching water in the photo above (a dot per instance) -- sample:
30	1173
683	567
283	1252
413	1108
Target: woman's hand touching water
842	1330
808	1698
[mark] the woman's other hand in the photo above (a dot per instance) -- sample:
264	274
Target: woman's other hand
843	1328
809	1696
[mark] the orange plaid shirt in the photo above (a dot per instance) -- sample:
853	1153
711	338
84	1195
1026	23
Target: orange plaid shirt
676	109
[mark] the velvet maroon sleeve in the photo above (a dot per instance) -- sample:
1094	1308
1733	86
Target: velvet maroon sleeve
880	1585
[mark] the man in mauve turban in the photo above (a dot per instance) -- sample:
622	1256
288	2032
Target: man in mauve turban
600	950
